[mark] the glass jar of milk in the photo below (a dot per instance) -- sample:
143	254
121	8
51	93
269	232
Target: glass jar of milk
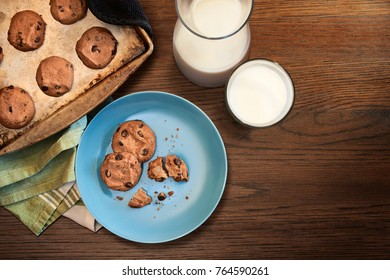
211	38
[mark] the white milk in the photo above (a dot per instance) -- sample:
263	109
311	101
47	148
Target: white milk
210	62
260	93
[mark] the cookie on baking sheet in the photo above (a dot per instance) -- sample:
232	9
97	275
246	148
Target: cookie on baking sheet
140	199
17	108
156	170
55	76
1	55
68	11
120	171
135	137
177	168
26	31
97	47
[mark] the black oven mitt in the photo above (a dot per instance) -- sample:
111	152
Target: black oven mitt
121	12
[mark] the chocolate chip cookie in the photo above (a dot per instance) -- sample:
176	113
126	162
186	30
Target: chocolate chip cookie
135	137
97	47
17	107
140	199
120	171
26	31
68	11
177	168
55	76
156	170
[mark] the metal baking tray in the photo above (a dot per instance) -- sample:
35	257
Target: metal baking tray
92	90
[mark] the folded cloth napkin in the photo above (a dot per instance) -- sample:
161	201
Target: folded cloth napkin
80	214
37	184
121	12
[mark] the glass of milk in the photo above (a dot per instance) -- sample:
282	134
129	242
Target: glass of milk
259	93
211	37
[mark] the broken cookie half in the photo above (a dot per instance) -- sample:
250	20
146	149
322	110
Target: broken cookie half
140	199
177	168
173	166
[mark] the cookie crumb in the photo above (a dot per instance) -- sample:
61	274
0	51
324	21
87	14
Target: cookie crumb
170	193
119	197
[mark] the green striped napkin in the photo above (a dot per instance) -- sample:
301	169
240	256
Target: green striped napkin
37	184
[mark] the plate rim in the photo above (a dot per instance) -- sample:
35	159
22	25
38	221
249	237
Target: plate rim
220	141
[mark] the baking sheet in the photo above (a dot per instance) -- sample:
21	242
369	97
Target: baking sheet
19	68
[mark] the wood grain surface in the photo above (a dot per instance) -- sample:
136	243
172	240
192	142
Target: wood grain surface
315	186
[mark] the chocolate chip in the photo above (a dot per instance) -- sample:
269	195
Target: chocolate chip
38	27
129	185
140	133
113	52
98	37
11	87
57	87
95	49
120	143
19	41
145	152
37	39
44	88
177	161
161	196
1	50
141	125
108	173
10	109
119	157
124	133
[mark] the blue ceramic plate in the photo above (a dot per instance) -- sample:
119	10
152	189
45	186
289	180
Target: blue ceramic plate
181	128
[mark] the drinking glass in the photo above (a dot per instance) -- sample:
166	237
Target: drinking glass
211	37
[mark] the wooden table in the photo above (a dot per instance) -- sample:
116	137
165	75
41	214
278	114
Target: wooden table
315	186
